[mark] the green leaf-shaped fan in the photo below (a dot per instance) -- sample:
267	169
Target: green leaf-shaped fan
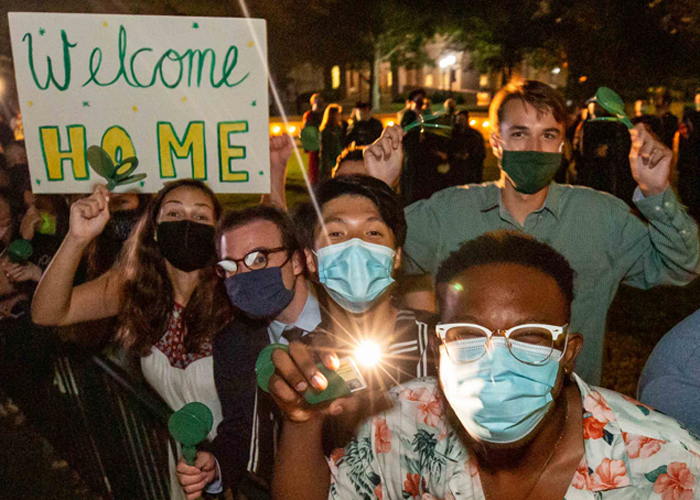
116	175
190	425
424	121
613	104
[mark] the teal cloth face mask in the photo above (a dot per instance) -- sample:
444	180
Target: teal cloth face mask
530	171
497	398
355	273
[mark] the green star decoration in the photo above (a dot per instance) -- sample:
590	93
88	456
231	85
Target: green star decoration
195	26
86	104
38	181
254	103
261	172
42	31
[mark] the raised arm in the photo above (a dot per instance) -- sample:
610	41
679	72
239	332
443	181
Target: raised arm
383	158
281	148
56	301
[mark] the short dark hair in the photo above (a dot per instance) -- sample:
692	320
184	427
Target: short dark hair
539	95
416	92
362	105
510	247
386	201
239	218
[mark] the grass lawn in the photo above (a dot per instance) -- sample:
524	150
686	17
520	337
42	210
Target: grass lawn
636	321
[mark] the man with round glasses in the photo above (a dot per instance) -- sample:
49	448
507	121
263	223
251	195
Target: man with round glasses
263	270
507	418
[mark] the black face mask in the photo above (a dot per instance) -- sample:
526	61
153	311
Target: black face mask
121	223
187	245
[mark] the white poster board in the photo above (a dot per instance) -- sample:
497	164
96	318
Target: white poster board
186	96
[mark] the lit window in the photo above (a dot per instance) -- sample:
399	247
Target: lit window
389	79
335	77
276	129
428	80
484	81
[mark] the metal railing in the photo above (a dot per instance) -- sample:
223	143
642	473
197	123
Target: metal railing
113	428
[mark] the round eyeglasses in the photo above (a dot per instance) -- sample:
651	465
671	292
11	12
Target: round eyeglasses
254	261
532	344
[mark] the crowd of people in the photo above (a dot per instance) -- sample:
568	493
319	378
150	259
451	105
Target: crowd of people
486	303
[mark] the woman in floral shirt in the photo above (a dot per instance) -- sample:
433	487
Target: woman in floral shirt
487	429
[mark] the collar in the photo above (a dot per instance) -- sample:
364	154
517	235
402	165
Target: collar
494	199
308	319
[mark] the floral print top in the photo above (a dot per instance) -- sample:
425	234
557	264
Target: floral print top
410	452
172	343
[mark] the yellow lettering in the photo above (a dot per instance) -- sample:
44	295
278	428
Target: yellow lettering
192	144
228	152
117	144
54	156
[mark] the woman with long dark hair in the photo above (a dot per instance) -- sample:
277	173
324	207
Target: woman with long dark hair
165	292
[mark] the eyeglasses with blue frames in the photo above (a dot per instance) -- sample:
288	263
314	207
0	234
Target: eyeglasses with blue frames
532	343
254	261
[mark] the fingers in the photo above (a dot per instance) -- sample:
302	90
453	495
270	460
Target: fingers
102	192
298	368
325	349
205	461
282	391
395	135
90	207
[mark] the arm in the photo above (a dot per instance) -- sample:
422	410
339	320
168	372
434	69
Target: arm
280	151
56	301
383	158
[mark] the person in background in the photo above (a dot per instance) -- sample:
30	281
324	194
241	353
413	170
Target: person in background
686	152
331	139
450	107
350	162
417	177
467	152
670	381
642	115
314	118
605	242
603	162
363	128
669	121
353	251
165	292
263	269
508	416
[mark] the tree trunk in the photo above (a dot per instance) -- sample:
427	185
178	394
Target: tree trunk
375	95
394	79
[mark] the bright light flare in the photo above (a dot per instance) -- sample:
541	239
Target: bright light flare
472	123
448	61
485	124
276	129
292	129
390	123
368	353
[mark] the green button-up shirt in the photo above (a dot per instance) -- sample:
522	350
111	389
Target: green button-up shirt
602	240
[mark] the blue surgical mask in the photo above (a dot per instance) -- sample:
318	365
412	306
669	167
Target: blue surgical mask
497	398
260	294
355	273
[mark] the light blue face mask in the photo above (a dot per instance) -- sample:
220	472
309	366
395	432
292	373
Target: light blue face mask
497	398
355	273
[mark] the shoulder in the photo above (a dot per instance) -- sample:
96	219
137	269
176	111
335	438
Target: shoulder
639	421
677	347
582	197
467	195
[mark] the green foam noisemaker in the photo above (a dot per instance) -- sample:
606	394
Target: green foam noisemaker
116	175
264	368
423	122
310	138
613	104
189	426
19	251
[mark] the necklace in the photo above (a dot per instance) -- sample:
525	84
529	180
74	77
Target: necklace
549	458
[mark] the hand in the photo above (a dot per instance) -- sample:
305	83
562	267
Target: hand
7	305
88	216
384	157
17	272
281	147
29	222
296	371
650	161
193	479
